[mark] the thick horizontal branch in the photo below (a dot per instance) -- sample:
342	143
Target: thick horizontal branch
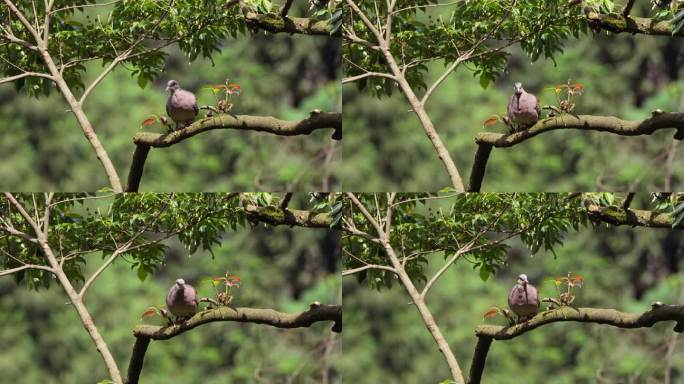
487	140
316	313
658	120
144	333
632	217
274	23
316	120
292	217
145	140
487	333
618	23
613	317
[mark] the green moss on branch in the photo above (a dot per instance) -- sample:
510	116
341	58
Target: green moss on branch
617	23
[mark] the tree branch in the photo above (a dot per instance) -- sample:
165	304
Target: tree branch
479	359
292	217
351	79
657	313
135	365
316	312
487	140
641	25
274	23
477	172
24	21
25	74
145	140
145	333
25	266
628	8
634	217
137	167
366	267
589	123
628	201
286	200
316	120
286	8
615	318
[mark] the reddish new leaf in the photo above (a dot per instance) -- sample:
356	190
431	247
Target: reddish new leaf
233	280
149	121
492	312
491	120
149	312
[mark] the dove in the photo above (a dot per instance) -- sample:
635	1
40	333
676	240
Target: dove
523	298
523	108
182	299
181	105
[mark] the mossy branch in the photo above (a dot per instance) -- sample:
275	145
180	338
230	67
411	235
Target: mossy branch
275	23
486	333
316	120
632	217
145	140
486	140
144	333
292	217
617	23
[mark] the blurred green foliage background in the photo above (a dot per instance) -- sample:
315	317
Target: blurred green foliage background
283	76
281	268
385	339
623	75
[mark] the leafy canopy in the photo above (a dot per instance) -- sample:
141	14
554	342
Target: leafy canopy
428	30
81	34
422	229
87	224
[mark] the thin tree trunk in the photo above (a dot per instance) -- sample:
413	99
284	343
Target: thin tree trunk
425	120
425	313
83	121
83	313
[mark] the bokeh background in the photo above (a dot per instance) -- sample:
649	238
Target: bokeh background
283	76
281	268
623	75
385	340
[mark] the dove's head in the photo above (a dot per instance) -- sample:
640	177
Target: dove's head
517	88
180	283
522	279
172	86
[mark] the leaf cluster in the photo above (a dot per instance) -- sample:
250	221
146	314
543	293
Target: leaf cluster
81	226
477	225
477	31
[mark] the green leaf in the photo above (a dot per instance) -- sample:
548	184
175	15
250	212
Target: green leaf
484	273
142	273
142	81
484	81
